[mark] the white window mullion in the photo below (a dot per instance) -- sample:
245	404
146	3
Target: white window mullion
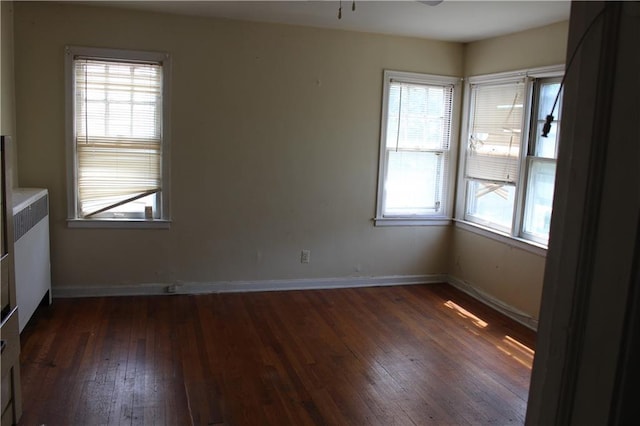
521	188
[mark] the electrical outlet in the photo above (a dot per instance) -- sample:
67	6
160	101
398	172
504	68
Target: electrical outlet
305	256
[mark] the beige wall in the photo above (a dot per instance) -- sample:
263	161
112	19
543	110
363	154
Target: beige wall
275	133
7	93
501	271
527	49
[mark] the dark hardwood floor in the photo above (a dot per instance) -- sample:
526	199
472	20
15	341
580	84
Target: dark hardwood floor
408	355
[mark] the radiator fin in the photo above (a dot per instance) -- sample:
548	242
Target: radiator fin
28	217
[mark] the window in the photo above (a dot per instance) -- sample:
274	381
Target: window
117	138
541	163
416	149
493	152
508	167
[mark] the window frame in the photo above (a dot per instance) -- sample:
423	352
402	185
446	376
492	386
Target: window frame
445	215
516	235
164	196
522	147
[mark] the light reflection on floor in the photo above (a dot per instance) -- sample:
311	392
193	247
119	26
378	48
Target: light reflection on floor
512	347
466	314
518	351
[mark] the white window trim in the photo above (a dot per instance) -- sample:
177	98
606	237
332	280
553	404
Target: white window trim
514	238
73	221
119	223
447	211
520	243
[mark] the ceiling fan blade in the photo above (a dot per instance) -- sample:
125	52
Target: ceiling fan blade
431	2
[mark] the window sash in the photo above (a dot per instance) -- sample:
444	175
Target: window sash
540	163
118	132
495	132
545	93
418	116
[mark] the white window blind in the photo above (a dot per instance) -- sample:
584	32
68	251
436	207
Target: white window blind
118	132
495	132
418	131
419	116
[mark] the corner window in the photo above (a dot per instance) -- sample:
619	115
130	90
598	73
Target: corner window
117	139
508	172
415	149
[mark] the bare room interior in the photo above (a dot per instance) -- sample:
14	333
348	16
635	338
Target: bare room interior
319	212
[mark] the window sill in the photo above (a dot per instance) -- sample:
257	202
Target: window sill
521	243
408	221
119	223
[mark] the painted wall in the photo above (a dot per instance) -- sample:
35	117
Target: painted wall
527	49
275	133
7	82
501	271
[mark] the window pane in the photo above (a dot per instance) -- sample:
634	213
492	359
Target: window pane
120	100
495	132
547	147
134	209
413	184
539	200
418	116
491	204
548	93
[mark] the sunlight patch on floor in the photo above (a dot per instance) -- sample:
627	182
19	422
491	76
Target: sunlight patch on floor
466	314
518	351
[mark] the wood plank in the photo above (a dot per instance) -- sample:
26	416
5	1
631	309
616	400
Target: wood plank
406	355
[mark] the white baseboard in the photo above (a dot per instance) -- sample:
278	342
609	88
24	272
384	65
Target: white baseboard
513	313
295	284
245	286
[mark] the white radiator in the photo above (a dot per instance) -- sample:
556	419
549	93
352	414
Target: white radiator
31	250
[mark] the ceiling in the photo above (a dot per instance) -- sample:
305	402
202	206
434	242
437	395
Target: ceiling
451	20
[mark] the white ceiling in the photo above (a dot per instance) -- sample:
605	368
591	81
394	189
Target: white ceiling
451	20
